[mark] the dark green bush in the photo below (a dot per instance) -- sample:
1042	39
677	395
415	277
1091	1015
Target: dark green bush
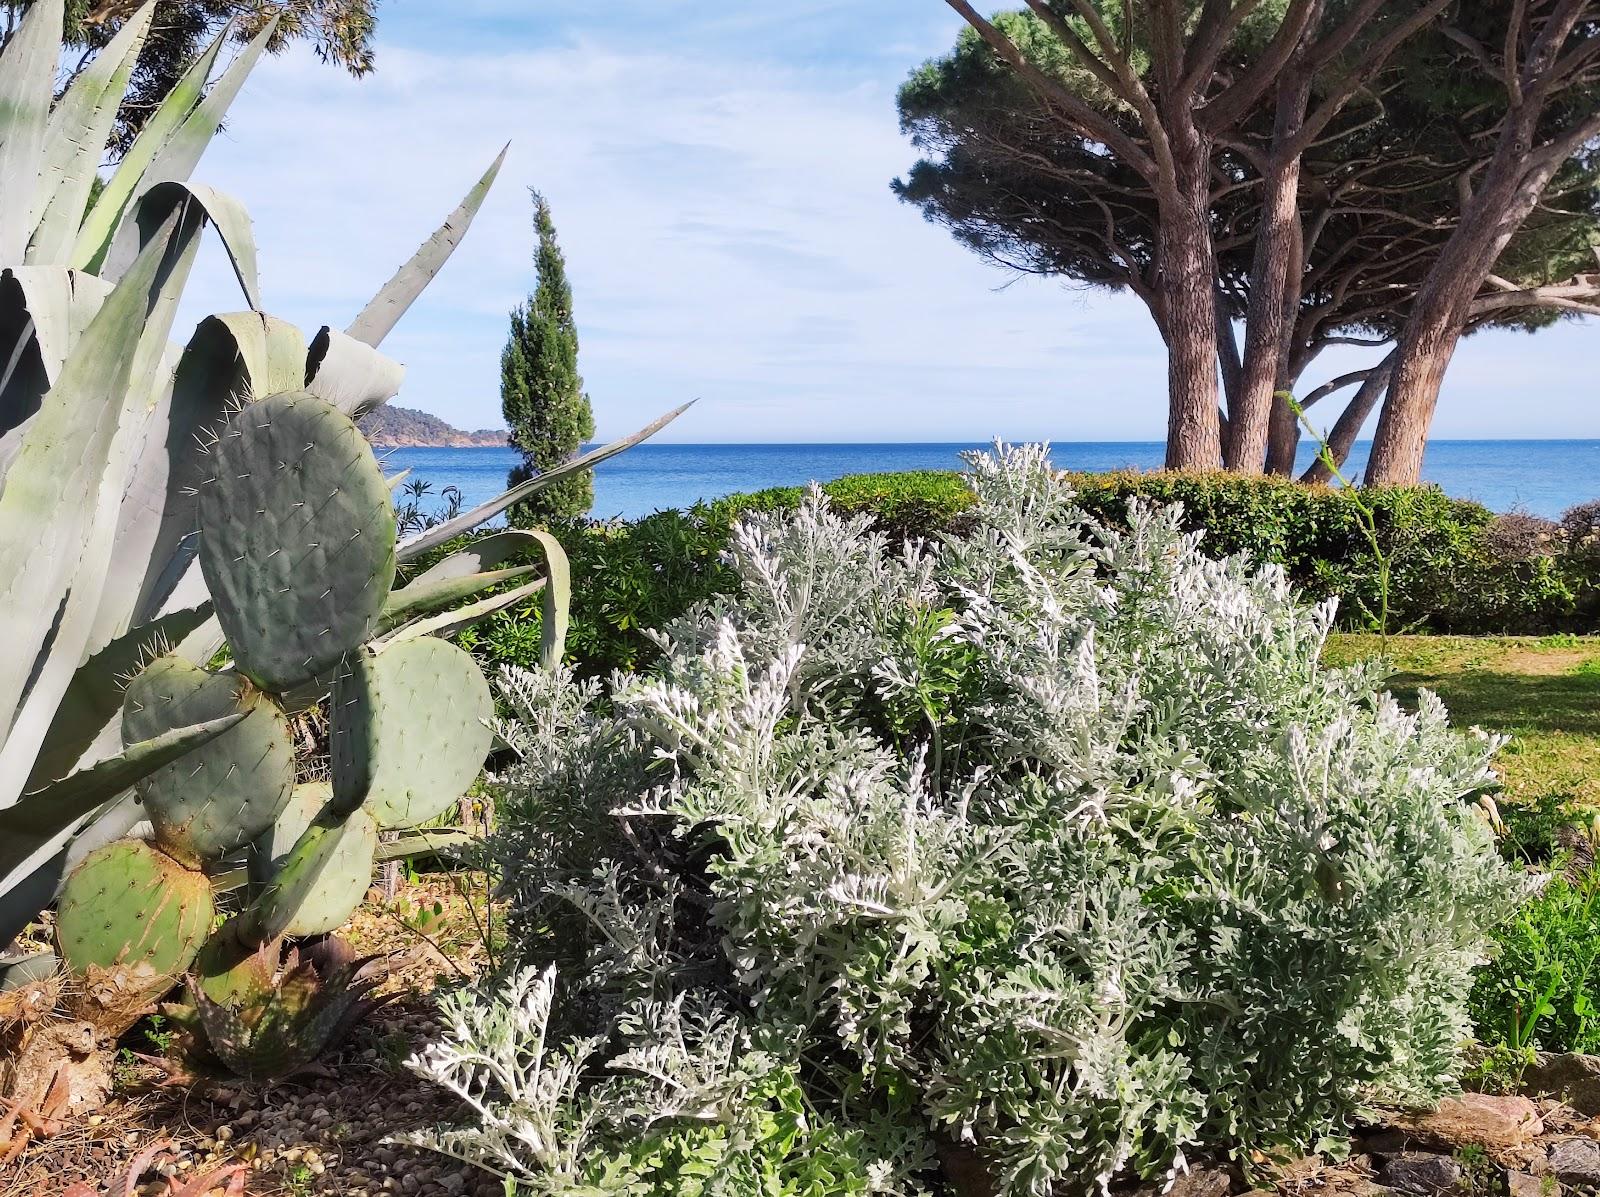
632	576
1457	568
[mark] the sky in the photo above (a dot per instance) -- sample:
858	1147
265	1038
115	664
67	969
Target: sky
719	177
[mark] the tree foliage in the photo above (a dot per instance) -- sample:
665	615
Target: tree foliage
339	31
541	393
1329	195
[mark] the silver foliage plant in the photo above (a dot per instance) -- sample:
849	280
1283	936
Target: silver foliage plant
1051	847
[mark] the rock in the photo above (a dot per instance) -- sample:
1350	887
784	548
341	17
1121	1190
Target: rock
1201	1181
1523	1184
1571	1076
1473	1119
1421	1172
1576	1161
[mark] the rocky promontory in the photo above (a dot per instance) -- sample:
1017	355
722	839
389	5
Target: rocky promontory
391	427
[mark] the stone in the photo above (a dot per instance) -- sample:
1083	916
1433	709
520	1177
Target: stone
1473	1119
1420	1172
1576	1161
1571	1076
1523	1184
1201	1181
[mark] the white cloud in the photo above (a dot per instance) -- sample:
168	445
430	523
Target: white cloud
722	198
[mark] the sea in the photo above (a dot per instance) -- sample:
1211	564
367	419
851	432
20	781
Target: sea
1542	477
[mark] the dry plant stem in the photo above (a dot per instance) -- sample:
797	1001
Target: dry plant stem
431	942
1369	523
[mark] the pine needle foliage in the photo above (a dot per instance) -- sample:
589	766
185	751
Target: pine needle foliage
1051	846
541	393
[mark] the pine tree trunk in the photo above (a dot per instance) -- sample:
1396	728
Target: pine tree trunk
1506	194
1283	439
1274	291
1342	437
1188	297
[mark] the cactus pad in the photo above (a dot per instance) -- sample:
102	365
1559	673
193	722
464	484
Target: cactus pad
312	871
409	730
130	904
226	792
297	538
231	968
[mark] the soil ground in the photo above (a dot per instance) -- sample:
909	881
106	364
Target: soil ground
318	1133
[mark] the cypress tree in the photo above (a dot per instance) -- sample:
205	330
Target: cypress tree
541	393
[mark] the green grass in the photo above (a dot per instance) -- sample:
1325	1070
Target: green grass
1543	692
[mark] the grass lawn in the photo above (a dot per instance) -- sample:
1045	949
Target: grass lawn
1543	692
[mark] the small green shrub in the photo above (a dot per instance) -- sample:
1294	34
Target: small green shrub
1052	838
1542	988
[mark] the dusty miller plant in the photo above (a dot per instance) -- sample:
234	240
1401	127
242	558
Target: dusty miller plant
1050	846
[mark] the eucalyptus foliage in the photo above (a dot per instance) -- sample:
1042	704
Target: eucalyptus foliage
1050	847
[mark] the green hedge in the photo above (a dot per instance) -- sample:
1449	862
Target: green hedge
1454	570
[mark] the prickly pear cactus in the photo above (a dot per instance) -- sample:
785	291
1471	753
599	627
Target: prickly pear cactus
312	867
130	904
222	795
410	730
297	536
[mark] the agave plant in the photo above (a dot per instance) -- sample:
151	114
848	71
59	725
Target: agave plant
104	428
275	1017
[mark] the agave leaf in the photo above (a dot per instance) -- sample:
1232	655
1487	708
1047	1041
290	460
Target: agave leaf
397	479
407	845
426	597
380	316
184	149
412	844
229	216
557	603
43	312
17	971
59	506
447	623
30	830
488	552
93	700
59	302
350	374
76	139
51	488
413	547
27	83
94	236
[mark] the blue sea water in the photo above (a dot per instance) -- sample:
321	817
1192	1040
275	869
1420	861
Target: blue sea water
1541	477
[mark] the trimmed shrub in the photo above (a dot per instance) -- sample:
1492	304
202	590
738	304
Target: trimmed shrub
1457	568
1049	850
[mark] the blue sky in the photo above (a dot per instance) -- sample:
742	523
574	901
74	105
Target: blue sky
720	181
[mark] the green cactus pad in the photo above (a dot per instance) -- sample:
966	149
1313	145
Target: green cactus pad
130	904
297	538
232	968
409	730
312	872
225	793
